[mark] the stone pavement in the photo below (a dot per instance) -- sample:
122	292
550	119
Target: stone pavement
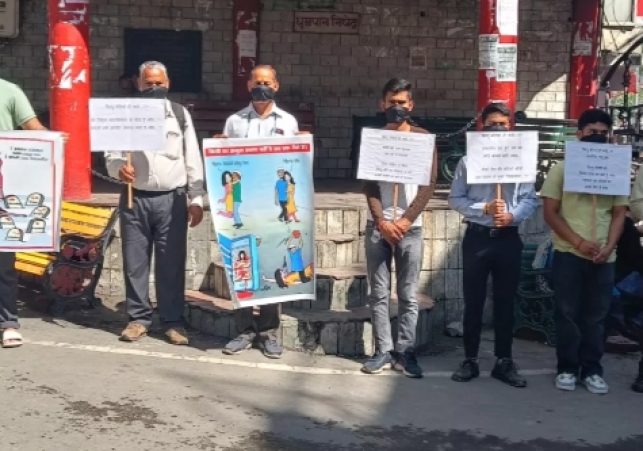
74	383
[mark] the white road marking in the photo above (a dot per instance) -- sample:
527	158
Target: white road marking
261	365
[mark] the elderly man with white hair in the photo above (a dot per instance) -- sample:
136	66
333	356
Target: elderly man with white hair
168	193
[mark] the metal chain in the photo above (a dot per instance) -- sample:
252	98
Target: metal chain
463	129
107	178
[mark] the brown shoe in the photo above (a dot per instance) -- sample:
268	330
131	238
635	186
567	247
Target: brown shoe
133	332
177	336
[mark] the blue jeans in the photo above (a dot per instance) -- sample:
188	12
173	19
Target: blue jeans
408	261
582	296
235	213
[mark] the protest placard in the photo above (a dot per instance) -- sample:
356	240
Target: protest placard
502	157
396	157
31	180
262	201
127	125
593	168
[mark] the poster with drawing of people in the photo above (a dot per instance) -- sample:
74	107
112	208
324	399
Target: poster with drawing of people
31	176
261	198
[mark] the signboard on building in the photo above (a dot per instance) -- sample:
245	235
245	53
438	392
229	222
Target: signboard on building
326	22
417	58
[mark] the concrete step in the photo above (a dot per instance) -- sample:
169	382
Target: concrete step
338	250
347	333
338	289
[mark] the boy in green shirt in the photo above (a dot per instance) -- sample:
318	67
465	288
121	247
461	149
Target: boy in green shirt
15	111
583	268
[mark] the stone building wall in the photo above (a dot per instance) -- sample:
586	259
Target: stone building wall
341	74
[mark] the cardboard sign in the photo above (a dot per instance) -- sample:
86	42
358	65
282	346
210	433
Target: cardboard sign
396	157
502	157
597	168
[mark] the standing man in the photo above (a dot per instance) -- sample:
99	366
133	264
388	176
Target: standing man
15	111
583	266
168	193
281	195
493	246
636	207
262	118
400	239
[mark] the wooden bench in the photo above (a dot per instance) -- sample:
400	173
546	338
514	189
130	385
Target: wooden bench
209	116
552	136
534	307
450	149
73	272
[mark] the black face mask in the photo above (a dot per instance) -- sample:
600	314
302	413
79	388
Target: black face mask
595	138
495	128
397	114
262	93
155	92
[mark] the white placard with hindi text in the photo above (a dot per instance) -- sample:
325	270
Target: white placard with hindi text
396	157
502	157
593	168
127	125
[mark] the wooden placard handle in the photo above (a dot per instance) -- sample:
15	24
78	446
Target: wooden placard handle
594	204
130	187
395	194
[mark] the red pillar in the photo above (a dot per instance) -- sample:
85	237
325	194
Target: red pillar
498	53
583	77
245	45
69	91
69	101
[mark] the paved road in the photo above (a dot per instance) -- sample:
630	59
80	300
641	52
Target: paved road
73	386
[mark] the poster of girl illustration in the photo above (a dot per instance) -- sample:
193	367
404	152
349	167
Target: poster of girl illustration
226	182
291	206
258	214
243	275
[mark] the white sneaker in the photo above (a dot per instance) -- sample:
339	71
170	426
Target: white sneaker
596	385
566	381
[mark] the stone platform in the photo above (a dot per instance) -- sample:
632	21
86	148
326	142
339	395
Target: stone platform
338	321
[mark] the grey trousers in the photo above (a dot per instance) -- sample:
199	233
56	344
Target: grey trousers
408	262
8	291
158	221
265	325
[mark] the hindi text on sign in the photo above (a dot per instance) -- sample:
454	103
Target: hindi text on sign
326	22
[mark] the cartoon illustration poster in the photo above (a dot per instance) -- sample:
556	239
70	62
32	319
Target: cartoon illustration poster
261	198
31	176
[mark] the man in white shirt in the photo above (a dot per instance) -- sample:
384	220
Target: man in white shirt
168	192
262	118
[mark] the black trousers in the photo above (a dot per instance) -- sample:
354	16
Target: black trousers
265	325
582	295
284	211
484	254
157	221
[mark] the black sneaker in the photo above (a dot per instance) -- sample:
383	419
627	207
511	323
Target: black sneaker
407	363
377	363
507	371
467	370
638	383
